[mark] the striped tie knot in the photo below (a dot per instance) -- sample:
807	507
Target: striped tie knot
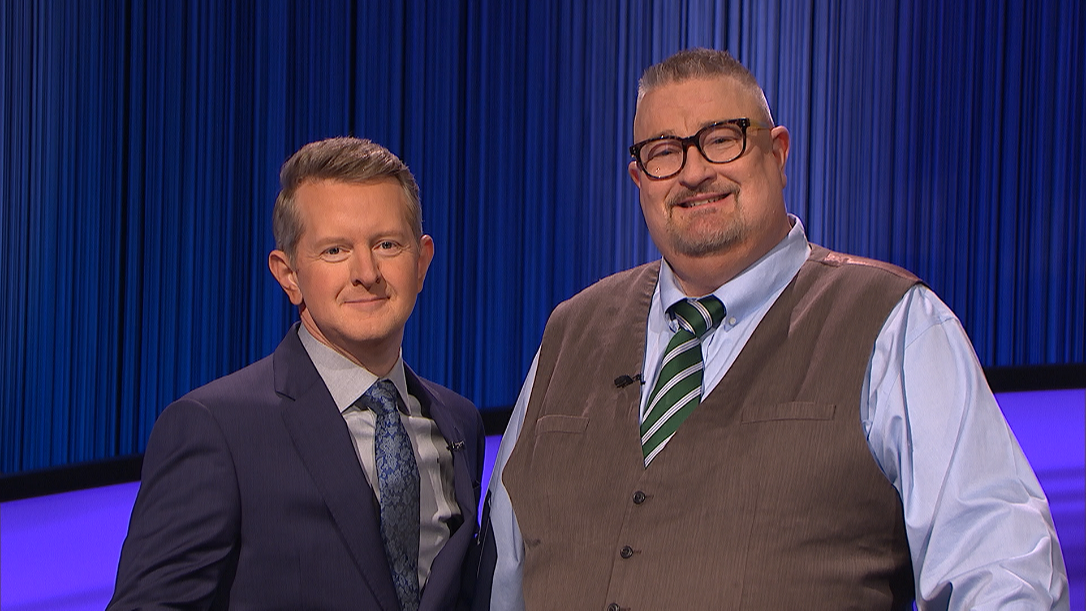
698	316
678	384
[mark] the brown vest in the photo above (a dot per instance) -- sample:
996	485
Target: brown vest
767	497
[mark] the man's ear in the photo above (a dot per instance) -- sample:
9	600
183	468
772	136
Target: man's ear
281	268
781	142
426	256
635	173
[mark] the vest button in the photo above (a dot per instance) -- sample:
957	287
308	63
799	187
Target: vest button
626	552
639	497
613	607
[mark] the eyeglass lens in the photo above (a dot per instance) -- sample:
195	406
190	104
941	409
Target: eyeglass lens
717	143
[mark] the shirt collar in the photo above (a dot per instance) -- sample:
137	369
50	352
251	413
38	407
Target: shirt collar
345	380
752	287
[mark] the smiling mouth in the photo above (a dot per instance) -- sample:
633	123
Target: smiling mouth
701	202
365	301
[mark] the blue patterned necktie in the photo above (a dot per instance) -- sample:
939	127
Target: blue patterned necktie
398	481
678	386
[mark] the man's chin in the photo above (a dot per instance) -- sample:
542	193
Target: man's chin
706	244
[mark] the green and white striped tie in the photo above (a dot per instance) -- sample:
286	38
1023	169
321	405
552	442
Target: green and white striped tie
678	386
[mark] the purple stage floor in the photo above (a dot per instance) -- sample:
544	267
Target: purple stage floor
59	552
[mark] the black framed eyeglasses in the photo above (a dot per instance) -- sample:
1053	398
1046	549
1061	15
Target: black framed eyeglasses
721	142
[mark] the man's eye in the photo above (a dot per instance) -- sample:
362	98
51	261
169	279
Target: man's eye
661	150
388	248
334	253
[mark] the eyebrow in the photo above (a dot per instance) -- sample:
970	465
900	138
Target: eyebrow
400	235
331	240
672	134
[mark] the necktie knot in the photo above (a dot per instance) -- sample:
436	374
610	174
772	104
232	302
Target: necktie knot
698	316
382	398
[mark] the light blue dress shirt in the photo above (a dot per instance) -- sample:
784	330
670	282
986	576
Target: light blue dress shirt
980	532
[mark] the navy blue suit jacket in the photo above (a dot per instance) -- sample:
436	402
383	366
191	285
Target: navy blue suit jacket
252	497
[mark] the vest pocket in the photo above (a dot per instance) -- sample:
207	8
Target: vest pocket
557	423
798	410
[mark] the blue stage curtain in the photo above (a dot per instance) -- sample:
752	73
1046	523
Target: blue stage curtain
142	141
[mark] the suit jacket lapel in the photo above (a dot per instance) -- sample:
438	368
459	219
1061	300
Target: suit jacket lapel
451	557
324	444
453	433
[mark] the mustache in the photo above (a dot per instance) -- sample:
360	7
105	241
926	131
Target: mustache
684	194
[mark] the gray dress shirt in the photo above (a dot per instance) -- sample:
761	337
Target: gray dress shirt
347	382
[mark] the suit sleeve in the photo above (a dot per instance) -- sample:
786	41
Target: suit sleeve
182	537
502	549
480	451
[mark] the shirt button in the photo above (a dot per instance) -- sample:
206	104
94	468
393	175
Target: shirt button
613	607
626	552
639	497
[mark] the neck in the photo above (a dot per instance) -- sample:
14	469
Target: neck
702	274
377	357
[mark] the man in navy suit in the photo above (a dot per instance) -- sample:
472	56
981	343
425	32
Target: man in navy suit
327	475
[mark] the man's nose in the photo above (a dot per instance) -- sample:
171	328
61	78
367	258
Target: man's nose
365	269
697	169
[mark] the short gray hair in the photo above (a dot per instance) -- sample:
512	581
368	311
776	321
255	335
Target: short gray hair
699	63
344	159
